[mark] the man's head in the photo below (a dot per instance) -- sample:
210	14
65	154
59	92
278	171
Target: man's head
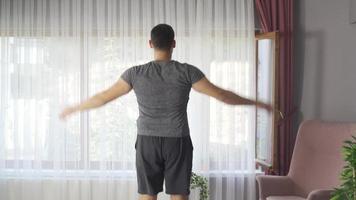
162	37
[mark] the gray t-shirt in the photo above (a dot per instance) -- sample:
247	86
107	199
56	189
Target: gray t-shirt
162	89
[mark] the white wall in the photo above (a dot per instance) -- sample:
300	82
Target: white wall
325	60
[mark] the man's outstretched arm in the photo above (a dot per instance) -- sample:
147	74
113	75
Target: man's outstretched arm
116	90
206	87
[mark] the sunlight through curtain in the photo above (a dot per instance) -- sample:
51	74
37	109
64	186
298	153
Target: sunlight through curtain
59	52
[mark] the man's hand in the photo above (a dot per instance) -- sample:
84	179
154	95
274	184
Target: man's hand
268	107
67	111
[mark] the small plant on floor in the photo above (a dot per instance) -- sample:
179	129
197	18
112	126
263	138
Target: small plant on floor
201	182
347	191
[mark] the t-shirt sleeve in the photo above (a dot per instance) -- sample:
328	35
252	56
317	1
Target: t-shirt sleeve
128	75
195	74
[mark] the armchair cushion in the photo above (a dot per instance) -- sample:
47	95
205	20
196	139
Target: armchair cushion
274	186
320	195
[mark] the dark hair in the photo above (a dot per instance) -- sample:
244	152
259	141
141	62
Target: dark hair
162	36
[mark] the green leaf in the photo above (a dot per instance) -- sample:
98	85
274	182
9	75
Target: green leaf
202	183
347	190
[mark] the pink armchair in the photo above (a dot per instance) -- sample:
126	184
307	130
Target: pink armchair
316	164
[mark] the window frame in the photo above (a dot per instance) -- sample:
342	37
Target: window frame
275	37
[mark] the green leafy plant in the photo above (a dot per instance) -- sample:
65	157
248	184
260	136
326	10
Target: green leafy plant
347	190
200	182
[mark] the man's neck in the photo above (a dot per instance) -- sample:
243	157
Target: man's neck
162	55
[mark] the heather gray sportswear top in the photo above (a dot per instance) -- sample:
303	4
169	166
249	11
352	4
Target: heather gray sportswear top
162	90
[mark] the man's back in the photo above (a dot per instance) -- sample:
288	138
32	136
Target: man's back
162	89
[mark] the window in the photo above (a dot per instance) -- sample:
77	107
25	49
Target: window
229	125
32	85
266	91
35	85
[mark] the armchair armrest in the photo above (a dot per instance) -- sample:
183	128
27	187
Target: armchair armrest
320	195
274	186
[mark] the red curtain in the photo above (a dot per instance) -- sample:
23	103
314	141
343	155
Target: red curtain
277	15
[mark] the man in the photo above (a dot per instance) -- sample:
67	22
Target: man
164	149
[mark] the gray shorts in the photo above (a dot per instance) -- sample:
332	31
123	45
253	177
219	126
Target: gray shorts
163	158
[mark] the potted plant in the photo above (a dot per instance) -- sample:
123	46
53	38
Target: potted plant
200	182
347	190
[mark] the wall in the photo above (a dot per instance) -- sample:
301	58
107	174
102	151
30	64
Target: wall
325	61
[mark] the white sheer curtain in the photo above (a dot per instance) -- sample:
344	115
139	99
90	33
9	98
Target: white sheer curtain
59	52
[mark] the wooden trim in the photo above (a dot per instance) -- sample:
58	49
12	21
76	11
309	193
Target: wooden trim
268	35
